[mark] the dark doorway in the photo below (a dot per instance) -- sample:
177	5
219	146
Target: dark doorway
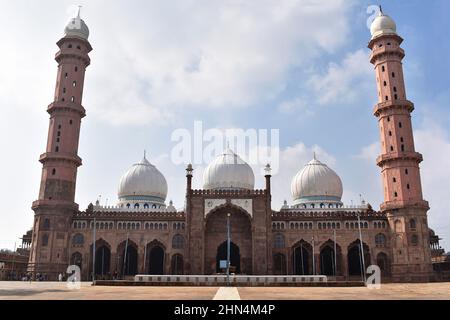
130	263
383	263
301	259
102	260
176	264
279	264
355	260
235	257
76	259
327	263
156	260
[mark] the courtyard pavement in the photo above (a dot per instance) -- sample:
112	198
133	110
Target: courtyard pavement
60	291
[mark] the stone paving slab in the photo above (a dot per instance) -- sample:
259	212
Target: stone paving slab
410	291
59	291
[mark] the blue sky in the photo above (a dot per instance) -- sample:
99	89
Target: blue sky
298	66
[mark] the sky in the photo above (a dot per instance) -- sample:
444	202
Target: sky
298	66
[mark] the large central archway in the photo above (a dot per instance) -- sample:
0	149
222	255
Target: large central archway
235	256
216	236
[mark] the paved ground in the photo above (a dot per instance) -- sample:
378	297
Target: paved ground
54	290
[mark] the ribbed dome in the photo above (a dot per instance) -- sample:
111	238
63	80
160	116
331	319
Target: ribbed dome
382	25
142	183
228	171
77	27
316	183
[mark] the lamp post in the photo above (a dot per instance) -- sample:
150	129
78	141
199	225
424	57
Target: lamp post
228	248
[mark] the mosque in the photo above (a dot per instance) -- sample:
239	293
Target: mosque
314	234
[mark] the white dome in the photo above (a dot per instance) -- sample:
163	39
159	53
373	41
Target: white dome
228	171
316	183
142	183
383	25
77	27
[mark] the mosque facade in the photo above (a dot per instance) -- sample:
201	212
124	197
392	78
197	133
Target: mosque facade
315	234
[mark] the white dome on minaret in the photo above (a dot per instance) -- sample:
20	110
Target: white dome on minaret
77	27
228	171
383	25
142	184
316	185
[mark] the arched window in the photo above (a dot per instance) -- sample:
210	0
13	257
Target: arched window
78	239
72	99
414	239
45	240
136	205
177	241
145	205
412	224
128	205
46	224
380	240
279	241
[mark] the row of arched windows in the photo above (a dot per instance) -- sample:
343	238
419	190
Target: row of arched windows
379	224
145	206
321	205
129	225
278	225
178	226
301	225
353	225
329	225
156	226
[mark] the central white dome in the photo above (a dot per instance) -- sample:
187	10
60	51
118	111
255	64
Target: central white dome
316	184
143	184
228	171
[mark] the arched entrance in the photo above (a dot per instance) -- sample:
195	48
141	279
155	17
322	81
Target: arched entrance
155	258
383	263
355	260
102	259
301	258
128	258
76	259
176	264
216	238
330	262
235	257
279	264
327	263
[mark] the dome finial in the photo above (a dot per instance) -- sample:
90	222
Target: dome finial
145	154
79	9
314	155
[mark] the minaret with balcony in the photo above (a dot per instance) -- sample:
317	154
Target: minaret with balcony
399	162
56	202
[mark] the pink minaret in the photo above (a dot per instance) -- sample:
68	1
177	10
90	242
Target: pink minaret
399	162
56	202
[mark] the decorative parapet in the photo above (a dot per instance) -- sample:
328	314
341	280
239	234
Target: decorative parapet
351	213
128	214
227	193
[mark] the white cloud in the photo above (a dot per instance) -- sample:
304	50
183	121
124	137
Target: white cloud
155	58
344	82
